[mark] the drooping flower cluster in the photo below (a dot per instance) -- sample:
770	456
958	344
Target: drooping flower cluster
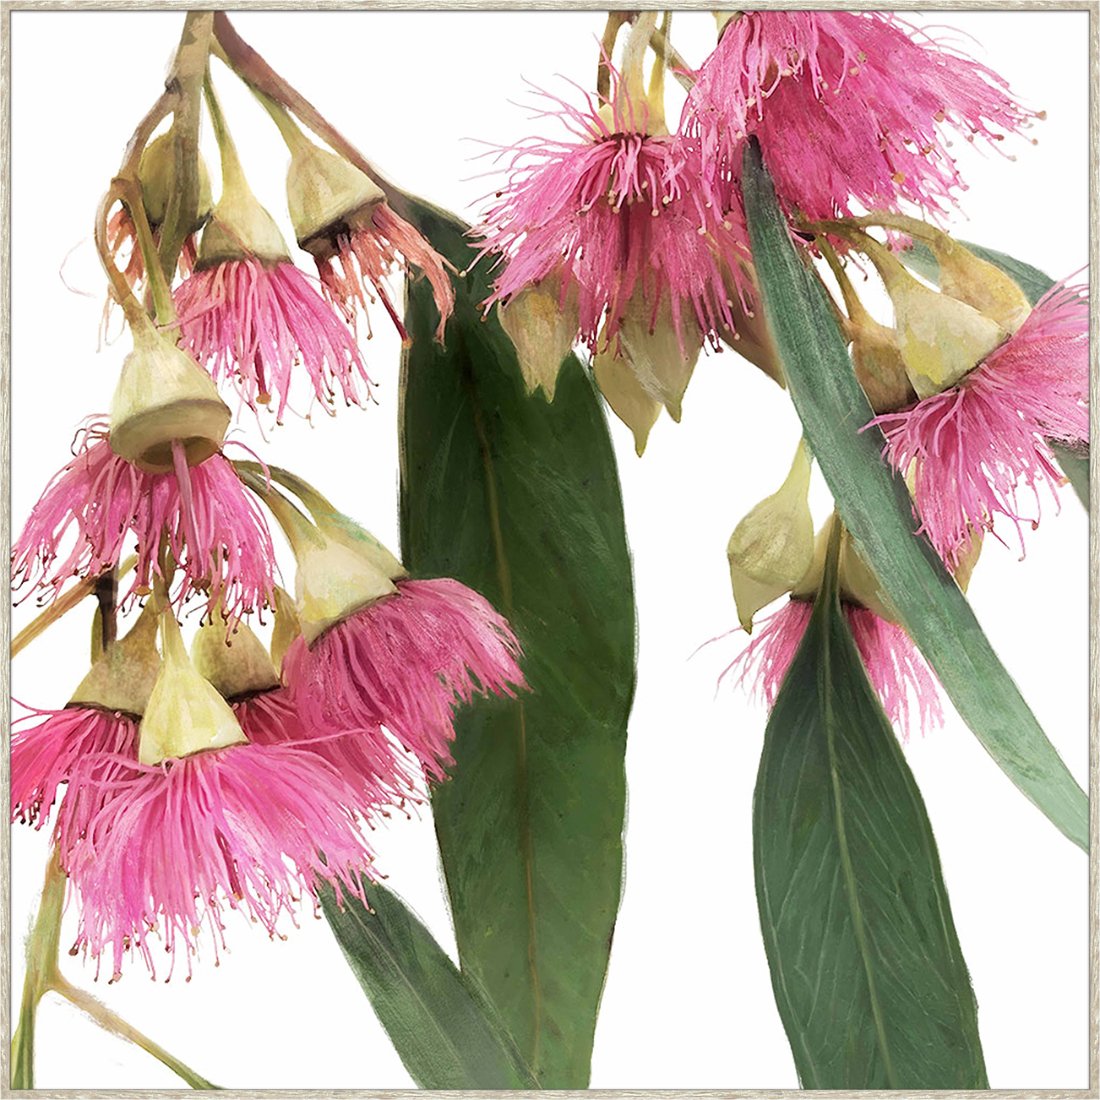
633	240
233	778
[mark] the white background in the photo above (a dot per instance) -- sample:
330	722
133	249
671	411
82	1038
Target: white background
688	1001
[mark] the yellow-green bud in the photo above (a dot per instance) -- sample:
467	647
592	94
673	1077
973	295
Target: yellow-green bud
286	628
980	284
123	676
879	366
628	399
772	548
940	338
324	193
157	175
543	331
185	713
662	357
163	396
237	664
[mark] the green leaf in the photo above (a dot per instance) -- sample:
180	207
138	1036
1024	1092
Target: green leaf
1034	283
443	1027
519	498
876	508
867	970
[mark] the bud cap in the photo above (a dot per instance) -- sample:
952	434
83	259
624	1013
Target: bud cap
324	192
163	396
238	664
185	713
123	677
542	330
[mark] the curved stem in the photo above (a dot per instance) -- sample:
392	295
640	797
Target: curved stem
672	59
121	290
181	213
289	130
232	171
615	22
116	1025
42	972
259	75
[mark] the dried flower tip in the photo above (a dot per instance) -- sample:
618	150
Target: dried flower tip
185	713
163	397
772	548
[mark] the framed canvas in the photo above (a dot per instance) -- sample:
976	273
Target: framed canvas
549	549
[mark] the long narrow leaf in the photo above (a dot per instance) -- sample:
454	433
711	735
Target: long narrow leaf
877	509
868	974
444	1029
519	498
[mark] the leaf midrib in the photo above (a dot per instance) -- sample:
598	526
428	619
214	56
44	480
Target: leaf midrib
851	887
523	784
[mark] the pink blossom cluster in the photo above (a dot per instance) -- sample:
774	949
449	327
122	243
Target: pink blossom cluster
850	109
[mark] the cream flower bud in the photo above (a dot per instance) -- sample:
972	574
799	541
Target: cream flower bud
157	175
185	713
661	354
979	283
333	580
772	548
324	193
122	678
879	366
940	338
163	396
237	664
543	331
628	399
240	228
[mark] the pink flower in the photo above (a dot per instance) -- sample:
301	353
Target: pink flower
47	744
173	847
258	325
214	528
849	109
973	447
364	255
367	758
620	215
405	662
905	686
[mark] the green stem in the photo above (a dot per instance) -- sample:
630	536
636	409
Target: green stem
42	973
291	132
61	606
233	176
116	1025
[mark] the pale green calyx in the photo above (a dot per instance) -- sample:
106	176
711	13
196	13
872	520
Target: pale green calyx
163	397
772	548
122	678
157	175
628	398
324	192
333	580
237	663
980	284
543	331
661	352
185	713
287	626
856	583
941	339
